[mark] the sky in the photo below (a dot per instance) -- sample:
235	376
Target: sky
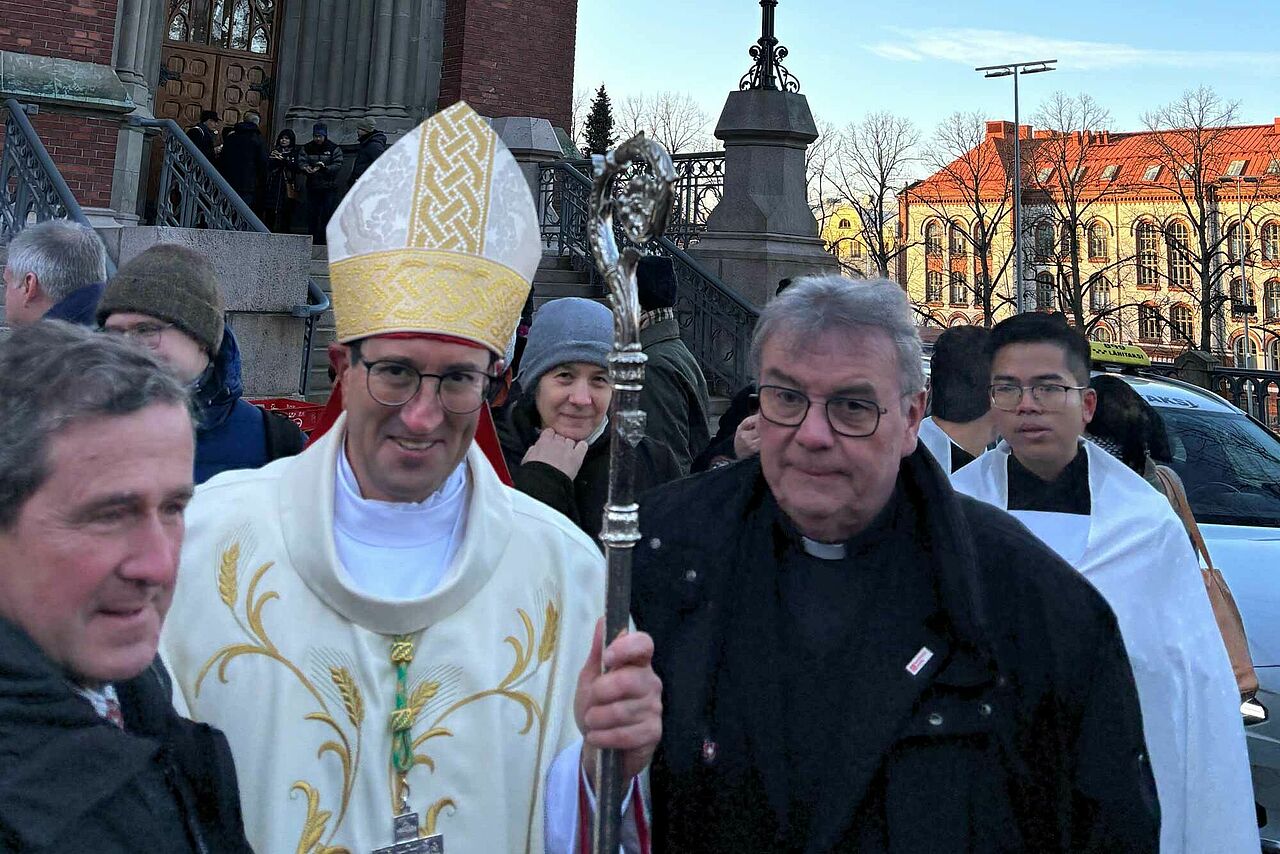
916	58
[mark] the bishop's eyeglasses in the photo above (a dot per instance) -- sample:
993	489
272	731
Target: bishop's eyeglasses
460	391
848	416
1052	397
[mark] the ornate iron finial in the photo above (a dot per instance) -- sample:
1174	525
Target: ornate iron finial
768	72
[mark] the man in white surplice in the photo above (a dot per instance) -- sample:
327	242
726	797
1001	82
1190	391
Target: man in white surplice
959	427
397	644
1123	537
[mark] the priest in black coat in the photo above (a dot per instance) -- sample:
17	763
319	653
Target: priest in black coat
856	659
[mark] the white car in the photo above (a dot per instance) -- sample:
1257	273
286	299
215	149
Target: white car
1230	465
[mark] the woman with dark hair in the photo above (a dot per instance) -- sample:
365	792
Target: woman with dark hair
282	182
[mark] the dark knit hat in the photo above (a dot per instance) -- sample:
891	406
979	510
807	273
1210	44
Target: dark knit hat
565	330
656	282
172	283
320	129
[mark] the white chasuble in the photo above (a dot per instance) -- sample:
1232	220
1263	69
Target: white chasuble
269	640
1133	549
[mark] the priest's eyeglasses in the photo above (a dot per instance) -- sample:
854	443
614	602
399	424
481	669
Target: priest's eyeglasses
848	416
1052	397
395	384
146	334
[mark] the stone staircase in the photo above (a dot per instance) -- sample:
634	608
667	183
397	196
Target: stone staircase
556	278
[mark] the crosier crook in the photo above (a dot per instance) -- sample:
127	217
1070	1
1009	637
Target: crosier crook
642	209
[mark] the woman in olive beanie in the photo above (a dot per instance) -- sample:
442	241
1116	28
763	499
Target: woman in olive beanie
167	299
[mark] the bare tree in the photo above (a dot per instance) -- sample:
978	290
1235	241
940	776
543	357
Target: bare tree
1063	179
872	158
819	160
581	105
976	177
672	118
1191	140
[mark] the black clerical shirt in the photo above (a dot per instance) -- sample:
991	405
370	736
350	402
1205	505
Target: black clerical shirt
960	458
1067	493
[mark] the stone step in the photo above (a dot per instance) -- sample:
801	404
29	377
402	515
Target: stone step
553	276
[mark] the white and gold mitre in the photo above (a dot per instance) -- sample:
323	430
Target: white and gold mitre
440	235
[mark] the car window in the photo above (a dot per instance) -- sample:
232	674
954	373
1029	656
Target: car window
1229	465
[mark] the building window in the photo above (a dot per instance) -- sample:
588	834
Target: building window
1098	241
1099	293
959	242
1102	333
1273	353
1152	173
1148	254
1044	240
1235	249
1178	245
1236	169
1065	235
933	238
1078	173
845	224
1271	241
1110	173
1044	292
1183	325
241	25
1238	347
1043	174
959	289
933	286
1148	323
1187	173
1271	293
1241	292
1273	168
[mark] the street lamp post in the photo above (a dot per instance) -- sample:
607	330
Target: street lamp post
1015	69
1247	304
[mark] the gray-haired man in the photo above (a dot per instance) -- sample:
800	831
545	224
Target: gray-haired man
54	270
96	441
855	658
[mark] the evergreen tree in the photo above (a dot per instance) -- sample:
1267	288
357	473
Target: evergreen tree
599	135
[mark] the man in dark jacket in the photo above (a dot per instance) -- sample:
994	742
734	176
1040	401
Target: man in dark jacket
95	471
205	134
54	270
168	299
321	162
243	161
675	398
370	144
854	658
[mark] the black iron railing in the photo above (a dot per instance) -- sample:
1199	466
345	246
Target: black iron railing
715	322
31	187
699	187
193	194
1256	392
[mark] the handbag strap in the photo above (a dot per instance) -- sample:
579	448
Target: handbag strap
1178	498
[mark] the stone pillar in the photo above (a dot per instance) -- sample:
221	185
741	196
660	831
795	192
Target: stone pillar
136	57
531	142
365	58
763	230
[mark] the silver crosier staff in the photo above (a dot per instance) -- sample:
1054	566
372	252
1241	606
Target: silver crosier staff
641	209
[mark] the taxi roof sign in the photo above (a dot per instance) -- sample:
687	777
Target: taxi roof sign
1106	353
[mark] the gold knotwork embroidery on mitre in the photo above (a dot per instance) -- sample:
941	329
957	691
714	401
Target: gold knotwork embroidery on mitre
451	190
420	290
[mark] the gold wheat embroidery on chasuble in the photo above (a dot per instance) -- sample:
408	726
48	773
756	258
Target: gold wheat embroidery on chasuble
338	703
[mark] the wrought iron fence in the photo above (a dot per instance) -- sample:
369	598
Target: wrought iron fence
193	194
1256	392
31	187
715	322
699	187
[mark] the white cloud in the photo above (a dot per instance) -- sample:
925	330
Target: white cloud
975	47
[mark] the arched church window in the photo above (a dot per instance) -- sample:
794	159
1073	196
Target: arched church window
245	25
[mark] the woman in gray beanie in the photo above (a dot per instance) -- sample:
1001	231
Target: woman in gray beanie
555	435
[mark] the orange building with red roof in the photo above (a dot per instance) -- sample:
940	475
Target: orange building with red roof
1153	216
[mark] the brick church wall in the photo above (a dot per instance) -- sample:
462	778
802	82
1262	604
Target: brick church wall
83	149
510	57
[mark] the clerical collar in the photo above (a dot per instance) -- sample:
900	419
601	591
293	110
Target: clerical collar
395	524
824	551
